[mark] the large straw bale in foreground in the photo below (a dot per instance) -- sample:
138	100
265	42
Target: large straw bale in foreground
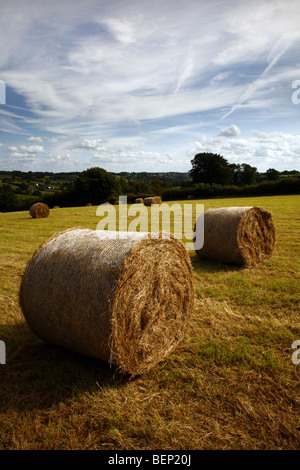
39	210
237	235
82	290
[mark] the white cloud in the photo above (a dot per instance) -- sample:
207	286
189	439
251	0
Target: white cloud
123	30
264	150
90	145
97	73
35	139
32	148
231	131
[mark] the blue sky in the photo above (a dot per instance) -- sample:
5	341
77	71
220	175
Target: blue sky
134	85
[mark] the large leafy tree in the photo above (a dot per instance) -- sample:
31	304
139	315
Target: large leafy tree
272	174
211	168
243	174
96	185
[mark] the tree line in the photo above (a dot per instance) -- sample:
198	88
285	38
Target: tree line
211	175
212	168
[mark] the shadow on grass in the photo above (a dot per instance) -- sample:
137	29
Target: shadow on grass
38	374
210	266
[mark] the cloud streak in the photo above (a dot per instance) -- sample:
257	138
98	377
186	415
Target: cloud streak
153	74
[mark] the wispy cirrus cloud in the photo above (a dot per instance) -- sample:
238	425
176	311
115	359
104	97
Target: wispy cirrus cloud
151	73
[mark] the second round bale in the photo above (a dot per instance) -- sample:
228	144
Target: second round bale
243	236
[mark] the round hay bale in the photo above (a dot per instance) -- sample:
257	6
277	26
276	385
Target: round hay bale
89	204
118	202
190	197
139	200
39	210
82	290
56	207
237	235
149	201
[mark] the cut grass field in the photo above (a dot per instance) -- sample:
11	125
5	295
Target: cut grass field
231	383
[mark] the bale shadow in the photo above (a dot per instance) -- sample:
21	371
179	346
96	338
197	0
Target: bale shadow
38	374
210	266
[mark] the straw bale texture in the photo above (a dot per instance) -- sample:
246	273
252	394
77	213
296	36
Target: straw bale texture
237	235
139	200
82	290
39	210
148	201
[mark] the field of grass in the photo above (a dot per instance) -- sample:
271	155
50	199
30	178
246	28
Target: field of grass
231	383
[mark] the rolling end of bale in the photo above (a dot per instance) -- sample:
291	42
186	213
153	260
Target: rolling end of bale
243	236
39	210
82	290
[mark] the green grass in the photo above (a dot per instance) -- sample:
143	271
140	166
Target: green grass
230	384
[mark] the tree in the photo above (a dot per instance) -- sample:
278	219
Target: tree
8	199
96	185
272	174
243	174
249	174
211	168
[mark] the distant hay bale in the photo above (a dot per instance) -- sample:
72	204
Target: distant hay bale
237	235
139	200
190	197
118	202
56	207
89	204
148	201
82	290
39	210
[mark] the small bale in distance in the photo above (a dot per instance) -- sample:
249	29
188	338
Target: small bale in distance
118	202
39	210
139	200
89	204
243	236
149	201
82	290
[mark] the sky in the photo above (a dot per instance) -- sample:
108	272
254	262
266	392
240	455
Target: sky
140	85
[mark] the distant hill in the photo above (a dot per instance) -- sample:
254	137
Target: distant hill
173	178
